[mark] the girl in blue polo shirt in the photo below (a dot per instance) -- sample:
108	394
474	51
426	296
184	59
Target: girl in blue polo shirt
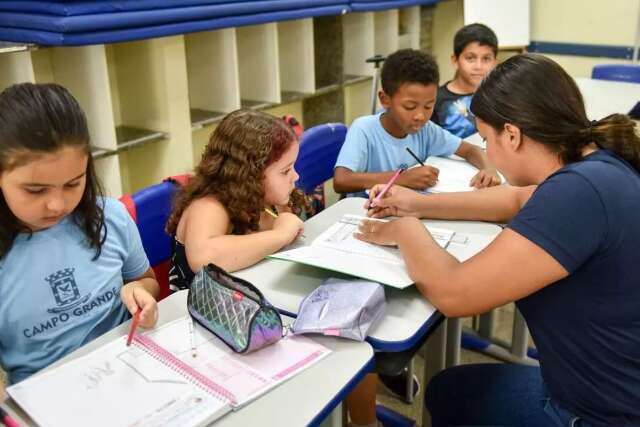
569	256
72	265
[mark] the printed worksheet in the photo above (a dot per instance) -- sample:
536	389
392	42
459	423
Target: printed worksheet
340	236
338	250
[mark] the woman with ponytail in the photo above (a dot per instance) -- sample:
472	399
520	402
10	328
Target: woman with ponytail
568	257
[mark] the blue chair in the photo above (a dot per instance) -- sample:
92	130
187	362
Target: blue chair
617	72
150	209
319	149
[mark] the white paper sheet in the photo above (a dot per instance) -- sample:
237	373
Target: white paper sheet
453	176
336	249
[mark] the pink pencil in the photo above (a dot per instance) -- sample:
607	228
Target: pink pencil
387	187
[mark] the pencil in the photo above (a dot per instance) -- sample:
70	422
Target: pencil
192	334
275	215
415	157
6	419
134	326
386	187
270	212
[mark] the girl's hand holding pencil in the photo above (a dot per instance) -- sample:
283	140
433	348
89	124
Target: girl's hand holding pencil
137	299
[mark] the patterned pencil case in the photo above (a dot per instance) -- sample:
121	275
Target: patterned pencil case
233	309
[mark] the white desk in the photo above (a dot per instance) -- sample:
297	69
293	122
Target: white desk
409	316
603	97
303	400
285	283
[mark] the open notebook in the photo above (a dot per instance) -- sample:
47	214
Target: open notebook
454	175
158	382
336	249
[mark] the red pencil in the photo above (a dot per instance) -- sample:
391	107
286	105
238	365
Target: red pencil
134	326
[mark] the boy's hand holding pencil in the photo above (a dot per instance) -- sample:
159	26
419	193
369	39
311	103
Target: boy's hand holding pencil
420	177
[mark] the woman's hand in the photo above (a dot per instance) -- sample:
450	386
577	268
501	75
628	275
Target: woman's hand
136	297
383	233
397	201
486	178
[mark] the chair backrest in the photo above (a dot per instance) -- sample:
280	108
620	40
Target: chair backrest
617	72
319	149
150	209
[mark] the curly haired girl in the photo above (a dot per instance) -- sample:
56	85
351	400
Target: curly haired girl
225	214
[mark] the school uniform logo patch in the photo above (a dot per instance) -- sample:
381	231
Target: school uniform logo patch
65	290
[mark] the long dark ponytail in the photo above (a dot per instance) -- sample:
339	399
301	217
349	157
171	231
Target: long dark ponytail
535	94
38	119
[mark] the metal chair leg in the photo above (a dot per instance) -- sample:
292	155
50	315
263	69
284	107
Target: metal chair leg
454	335
520	336
485	325
408	392
434	362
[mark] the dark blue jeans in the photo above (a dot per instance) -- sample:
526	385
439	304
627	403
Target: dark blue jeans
503	395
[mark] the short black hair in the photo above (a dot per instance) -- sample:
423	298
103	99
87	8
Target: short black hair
474	33
408	66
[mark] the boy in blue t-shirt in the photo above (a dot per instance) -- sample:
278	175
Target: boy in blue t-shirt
376	145
475	48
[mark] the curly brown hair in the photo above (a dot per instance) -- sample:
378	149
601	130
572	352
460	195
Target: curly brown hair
232	168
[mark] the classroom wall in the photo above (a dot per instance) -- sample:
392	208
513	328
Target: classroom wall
201	137
568	21
447	19
612	22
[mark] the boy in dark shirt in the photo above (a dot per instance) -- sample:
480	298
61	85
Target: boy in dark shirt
475	47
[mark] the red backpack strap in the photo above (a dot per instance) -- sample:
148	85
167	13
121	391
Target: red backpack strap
128	203
295	124
179	179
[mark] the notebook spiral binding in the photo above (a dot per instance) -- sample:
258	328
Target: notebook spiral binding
157	352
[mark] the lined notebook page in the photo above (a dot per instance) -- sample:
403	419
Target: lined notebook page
115	385
245	376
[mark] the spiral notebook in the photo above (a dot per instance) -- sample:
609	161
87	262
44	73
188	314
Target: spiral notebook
158	382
